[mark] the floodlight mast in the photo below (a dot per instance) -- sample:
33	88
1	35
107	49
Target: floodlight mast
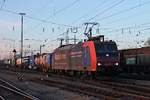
21	53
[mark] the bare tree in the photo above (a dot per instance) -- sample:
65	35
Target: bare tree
147	43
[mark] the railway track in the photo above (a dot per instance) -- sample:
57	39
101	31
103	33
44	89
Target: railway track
74	87
108	89
2	98
99	90
122	86
10	92
138	92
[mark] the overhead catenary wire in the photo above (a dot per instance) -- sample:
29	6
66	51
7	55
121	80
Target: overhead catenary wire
104	11
122	19
57	12
137	33
45	5
34	18
63	9
125	10
130	27
37	19
128	9
66	7
3	2
46	21
83	16
9	11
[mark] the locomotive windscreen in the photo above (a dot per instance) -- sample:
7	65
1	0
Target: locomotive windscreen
106	49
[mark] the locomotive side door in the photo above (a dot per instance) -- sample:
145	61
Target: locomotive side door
86	56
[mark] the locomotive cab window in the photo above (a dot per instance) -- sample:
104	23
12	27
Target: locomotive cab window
106	49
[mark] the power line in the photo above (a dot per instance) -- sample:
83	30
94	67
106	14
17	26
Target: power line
130	27
122	19
65	8
46	21
33	18
68	6
59	11
9	11
104	11
125	10
83	16
46	4
2	4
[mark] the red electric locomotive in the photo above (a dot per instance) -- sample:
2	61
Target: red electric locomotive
90	56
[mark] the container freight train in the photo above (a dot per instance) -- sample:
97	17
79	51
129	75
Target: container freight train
41	62
135	60
93	55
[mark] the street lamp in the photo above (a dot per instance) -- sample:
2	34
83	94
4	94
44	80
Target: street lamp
21	53
41	48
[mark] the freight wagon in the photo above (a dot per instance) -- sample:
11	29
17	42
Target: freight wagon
135	60
25	62
43	61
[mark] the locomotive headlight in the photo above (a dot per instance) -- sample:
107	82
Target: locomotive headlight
99	64
116	64
107	55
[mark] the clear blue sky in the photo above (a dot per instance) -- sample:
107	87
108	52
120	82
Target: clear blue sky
120	20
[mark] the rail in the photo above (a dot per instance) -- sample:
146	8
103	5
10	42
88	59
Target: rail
2	98
7	86
118	89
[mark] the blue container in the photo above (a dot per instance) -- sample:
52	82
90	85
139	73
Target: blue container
31	60
49	59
